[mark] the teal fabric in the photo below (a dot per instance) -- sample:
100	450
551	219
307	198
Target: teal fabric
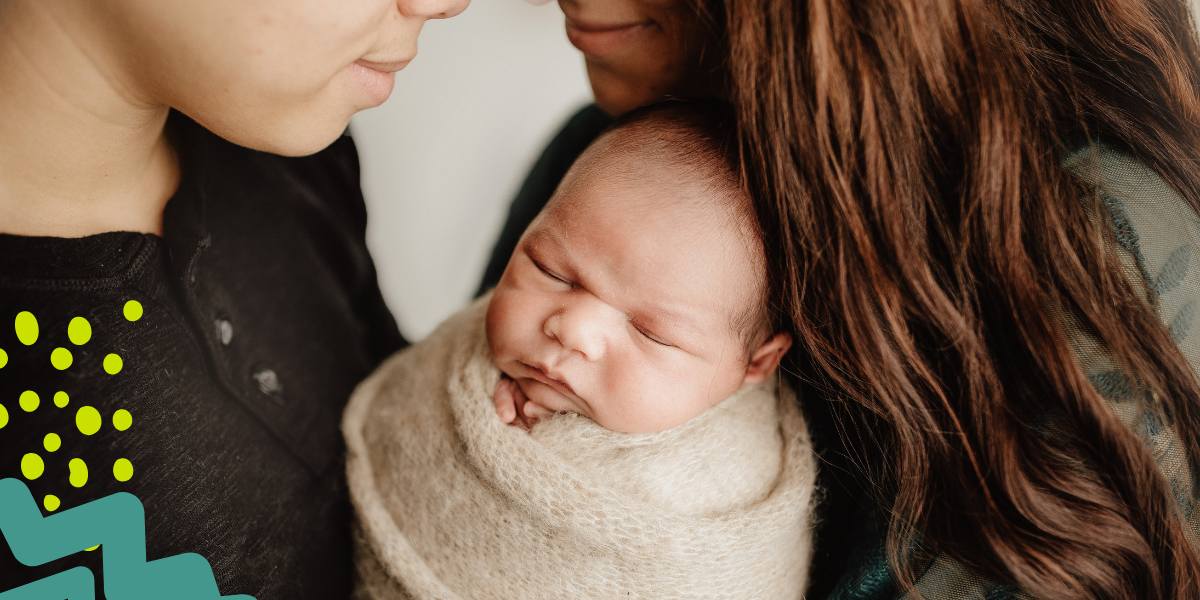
1157	236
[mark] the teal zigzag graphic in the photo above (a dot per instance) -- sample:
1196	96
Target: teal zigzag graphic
118	524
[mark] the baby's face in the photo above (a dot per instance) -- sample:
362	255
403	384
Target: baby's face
620	303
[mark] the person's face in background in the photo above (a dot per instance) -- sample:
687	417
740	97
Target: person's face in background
641	51
282	76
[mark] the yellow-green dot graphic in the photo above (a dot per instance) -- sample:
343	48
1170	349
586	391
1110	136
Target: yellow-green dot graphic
79	472
61	358
32	466
122	469
122	420
27	328
29	401
133	310
87	420
79	331
113	364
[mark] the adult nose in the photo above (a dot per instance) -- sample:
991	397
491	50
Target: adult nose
432	9
581	326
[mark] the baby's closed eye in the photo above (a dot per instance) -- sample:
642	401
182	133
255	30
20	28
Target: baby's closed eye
651	336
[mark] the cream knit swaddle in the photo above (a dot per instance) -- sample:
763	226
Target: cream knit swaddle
452	503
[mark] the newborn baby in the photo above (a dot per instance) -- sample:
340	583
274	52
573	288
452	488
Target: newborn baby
607	422
638	297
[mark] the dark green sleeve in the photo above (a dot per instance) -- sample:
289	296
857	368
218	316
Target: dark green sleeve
540	184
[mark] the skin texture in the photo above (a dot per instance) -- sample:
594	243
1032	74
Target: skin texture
86	85
641	51
619	302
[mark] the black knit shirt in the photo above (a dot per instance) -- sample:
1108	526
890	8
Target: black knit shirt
260	313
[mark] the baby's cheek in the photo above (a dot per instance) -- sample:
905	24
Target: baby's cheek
672	397
638	396
498	327
512	321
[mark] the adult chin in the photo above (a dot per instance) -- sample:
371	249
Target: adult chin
287	135
618	93
306	143
309	127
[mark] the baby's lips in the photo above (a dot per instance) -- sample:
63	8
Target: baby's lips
553	380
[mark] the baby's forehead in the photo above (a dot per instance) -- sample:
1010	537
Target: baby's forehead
618	173
662	190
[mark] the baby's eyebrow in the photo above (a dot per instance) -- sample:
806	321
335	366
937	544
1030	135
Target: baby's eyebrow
682	320
543	237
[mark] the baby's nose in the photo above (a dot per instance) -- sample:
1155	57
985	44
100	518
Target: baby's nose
581	327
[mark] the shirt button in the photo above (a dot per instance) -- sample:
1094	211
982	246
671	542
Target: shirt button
268	381
224	331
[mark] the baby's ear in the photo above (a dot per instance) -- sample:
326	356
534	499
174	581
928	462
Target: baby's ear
765	359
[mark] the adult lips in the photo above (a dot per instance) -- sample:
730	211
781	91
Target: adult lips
599	39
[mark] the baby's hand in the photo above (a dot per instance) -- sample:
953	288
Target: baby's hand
511	405
514	407
506	399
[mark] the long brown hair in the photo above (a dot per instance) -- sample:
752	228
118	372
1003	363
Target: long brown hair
904	155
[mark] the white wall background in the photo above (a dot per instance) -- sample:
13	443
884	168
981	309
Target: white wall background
445	155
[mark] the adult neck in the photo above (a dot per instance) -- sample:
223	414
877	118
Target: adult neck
83	149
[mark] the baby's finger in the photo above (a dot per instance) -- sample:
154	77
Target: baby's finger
533	410
519	397
504	401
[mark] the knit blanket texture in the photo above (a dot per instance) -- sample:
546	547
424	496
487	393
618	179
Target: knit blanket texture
452	504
